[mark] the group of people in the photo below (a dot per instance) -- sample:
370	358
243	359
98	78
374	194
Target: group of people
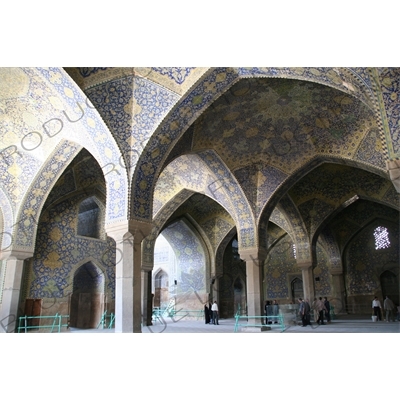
321	308
390	309
211	313
271	311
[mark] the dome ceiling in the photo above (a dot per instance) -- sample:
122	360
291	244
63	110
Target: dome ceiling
284	123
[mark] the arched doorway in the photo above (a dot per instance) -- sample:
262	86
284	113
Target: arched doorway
87	300
296	289
161	296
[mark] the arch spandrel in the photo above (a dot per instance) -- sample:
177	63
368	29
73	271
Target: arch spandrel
211	85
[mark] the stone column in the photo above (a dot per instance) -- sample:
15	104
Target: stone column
14	266
308	280
128	236
254	268
147	302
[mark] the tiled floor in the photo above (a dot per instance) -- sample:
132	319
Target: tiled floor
345	324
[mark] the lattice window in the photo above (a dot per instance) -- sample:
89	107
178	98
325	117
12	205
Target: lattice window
381	236
294	250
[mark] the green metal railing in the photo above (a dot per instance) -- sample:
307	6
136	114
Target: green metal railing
279	318
23	323
158	313
104	318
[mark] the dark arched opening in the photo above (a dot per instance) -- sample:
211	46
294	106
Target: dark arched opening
87	300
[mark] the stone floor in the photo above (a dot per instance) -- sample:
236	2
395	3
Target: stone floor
342	324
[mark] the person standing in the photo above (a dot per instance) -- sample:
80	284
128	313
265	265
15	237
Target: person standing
275	311
328	310
214	309
207	313
302	314
388	306
266	309
376	307
314	308
307	310
320	308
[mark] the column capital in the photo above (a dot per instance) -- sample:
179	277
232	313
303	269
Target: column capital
252	254
304	265
393	167
17	254
138	229
336	271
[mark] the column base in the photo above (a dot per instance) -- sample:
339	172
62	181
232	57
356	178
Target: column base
254	329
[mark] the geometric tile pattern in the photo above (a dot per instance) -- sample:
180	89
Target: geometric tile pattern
364	264
297	228
390	87
190	256
334	184
7	221
326	240
132	107
28	217
356	216
59	251
215	81
259	184
83	125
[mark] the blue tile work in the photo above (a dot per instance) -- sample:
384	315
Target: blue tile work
190	256
335	184
59	251
348	80
390	86
184	145
321	271
28	217
314	213
259	183
195	102
65	185
279	263
282	262
364	264
17	176
297	227
273	233
370	149
159	222
278	219
91	132
329	244
363	75
87	71
216	230
7	218
354	216
185	172
113	100
226	183
173	126
177	74
132	108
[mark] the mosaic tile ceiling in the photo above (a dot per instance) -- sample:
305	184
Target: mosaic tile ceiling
253	127
282	123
